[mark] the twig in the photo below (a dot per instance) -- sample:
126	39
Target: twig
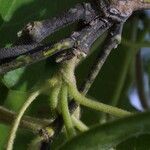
72	104
44	137
111	41
84	48
80	41
142	4
38	30
30	123
38	54
17	50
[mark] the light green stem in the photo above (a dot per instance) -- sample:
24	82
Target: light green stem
54	96
65	111
78	97
79	124
16	123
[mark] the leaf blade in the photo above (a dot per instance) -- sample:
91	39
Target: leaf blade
110	134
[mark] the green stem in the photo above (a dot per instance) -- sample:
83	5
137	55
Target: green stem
54	96
65	111
96	105
79	124
16	123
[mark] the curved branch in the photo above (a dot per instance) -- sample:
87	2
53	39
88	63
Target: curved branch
81	99
18	119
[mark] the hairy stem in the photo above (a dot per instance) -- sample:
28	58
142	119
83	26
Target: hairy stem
79	124
65	111
78	97
54	96
16	123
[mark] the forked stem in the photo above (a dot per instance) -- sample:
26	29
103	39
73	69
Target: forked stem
79	124
78	97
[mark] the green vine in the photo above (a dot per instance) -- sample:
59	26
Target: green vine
63	86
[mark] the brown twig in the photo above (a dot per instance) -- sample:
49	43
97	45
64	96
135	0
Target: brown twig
30	123
142	4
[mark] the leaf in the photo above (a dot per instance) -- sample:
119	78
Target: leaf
140	142
110	134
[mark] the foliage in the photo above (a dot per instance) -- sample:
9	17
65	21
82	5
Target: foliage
110	87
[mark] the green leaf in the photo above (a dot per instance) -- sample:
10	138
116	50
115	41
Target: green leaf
110	134
140	142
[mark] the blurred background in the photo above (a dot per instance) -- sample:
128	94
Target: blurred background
123	81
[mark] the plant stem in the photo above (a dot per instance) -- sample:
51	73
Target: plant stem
42	52
79	124
30	123
16	123
112	40
78	97
65	111
44	136
54	96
